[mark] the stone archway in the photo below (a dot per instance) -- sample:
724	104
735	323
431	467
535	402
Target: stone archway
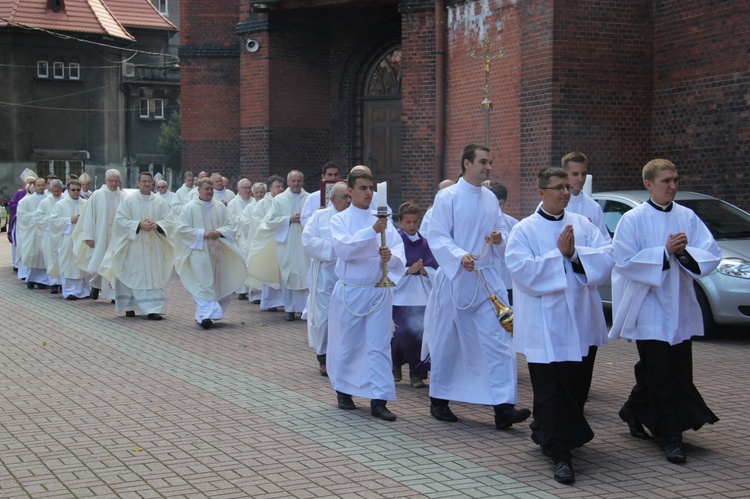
381	122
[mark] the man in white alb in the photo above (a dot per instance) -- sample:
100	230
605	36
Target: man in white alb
65	216
330	172
360	315
49	245
317	244
32	266
236	206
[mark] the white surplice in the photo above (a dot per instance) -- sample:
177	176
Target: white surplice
141	261
172	200
210	269
360	320
318	245
472	356
267	267
73	279
184	194
30	240
558	312
648	302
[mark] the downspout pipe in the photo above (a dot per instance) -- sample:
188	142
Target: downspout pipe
440	90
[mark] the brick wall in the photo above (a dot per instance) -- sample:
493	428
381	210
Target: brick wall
603	88
209	55
418	106
701	81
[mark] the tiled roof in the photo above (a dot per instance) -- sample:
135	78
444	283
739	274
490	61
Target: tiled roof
139	14
85	16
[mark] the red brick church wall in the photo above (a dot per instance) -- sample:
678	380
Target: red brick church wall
701	98
209	98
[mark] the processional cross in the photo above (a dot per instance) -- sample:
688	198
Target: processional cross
487	56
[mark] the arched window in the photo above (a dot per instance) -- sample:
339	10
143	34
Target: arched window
385	78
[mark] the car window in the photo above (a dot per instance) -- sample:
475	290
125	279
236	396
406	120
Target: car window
724	220
613	212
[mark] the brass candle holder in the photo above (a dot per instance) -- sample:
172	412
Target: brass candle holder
384	282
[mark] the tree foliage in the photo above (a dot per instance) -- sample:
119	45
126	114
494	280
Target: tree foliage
170	142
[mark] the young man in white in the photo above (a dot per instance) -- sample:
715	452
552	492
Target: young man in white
557	259
65	216
577	166
472	355
660	247
359	318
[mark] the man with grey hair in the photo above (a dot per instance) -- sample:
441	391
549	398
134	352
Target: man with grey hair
162	189
221	193
93	232
236	207
318	245
42	219
276	250
259	190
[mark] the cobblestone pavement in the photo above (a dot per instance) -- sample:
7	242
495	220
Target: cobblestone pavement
94	404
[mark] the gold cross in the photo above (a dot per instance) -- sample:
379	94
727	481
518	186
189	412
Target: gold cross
487	56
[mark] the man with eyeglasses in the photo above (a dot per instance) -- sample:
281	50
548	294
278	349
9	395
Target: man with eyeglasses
65	216
162	189
318	245
557	259
93	232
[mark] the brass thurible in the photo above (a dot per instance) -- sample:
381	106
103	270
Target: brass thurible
504	313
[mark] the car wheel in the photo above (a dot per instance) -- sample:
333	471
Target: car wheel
709	325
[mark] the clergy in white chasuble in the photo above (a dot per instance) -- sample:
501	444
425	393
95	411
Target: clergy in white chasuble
140	256
209	262
93	232
65	216
32	267
281	230
42	219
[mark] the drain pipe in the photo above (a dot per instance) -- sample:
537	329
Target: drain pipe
440	97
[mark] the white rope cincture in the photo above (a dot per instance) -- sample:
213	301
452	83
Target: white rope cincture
369	310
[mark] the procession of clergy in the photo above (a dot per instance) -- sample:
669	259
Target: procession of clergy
435	295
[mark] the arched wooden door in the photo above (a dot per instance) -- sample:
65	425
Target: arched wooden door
382	123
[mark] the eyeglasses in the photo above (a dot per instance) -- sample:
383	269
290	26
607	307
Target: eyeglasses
74	190
560	187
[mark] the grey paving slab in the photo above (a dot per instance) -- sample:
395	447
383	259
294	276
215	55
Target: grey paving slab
92	404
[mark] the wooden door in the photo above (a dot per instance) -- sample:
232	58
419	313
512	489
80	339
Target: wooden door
382	144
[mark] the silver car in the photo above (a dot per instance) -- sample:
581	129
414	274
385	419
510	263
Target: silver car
724	295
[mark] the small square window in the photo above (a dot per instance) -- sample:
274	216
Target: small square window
158	109
58	70
163	7
42	69
74	71
145	109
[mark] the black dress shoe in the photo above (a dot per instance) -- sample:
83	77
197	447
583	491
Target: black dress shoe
510	416
443	413
242	296
30	285
41	286
636	428
382	412
207	323
54	289
130	313
155	317
564	473
71	297
290	317
94	293
256	302
674	453
272	309
345	401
